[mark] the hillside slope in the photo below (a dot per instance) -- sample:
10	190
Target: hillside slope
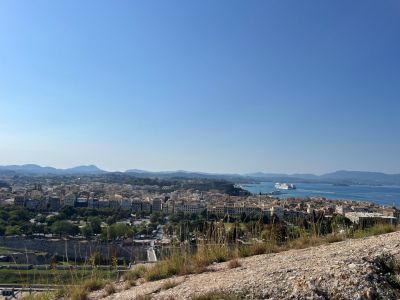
344	270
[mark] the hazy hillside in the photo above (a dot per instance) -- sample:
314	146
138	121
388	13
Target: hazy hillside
364	177
38	170
349	177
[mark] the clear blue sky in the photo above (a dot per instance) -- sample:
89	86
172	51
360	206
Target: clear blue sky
218	86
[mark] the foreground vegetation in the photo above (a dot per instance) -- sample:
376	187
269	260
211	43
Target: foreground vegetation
77	292
52	277
183	262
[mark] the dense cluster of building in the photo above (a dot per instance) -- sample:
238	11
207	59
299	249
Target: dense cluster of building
141	199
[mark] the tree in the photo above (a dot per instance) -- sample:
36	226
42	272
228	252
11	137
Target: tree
95	224
117	231
13	230
87	231
156	218
69	211
64	228
2	229
40	229
111	219
18	216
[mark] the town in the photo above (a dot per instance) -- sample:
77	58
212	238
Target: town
113	222
46	197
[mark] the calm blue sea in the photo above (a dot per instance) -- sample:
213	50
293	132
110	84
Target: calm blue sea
384	195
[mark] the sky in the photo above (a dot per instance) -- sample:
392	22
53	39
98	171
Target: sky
213	86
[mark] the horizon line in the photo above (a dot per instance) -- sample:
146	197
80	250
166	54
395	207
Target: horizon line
198	172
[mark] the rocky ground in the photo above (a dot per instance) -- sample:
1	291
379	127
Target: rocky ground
350	269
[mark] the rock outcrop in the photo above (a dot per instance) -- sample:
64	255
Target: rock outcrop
352	269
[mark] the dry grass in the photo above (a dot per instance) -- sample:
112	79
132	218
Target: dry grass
81	292
109	289
135	273
78	293
41	296
234	263
377	229
216	295
184	264
143	297
181	264
165	268
195	268
334	238
243	251
258	249
169	284
305	242
130	283
93	284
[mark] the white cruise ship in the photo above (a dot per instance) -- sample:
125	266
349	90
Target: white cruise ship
285	186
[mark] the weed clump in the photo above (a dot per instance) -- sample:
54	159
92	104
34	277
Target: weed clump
81	292
216	295
40	296
234	263
135	273
109	289
169	284
390	268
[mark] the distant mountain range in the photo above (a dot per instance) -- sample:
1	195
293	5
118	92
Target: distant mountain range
38	170
340	177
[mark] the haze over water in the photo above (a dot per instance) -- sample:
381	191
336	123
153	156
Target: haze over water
383	195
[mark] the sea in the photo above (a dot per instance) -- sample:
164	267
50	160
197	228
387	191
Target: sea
382	195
